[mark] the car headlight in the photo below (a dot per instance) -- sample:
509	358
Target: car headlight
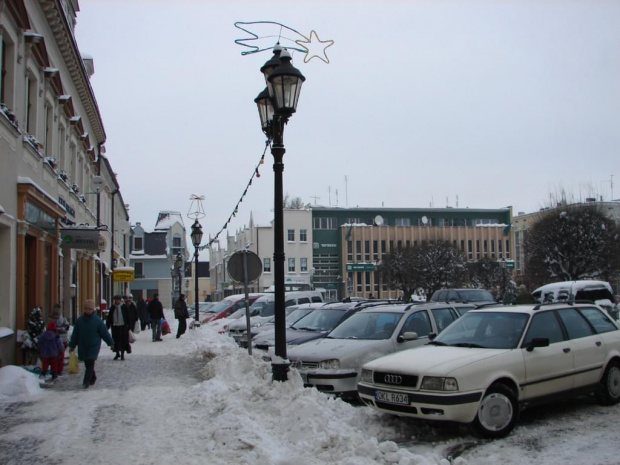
332	364
436	383
366	376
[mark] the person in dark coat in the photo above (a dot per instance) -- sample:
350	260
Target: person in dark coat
118	320
132	316
143	314
156	312
181	313
87	334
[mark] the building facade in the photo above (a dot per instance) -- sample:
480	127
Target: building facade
160	259
58	194
348	243
298	266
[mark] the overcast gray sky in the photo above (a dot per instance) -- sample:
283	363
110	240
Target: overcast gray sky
496	102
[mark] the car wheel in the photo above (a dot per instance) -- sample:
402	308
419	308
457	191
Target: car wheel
498	412
609	390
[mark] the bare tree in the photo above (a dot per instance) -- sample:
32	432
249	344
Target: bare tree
295	203
429	265
574	242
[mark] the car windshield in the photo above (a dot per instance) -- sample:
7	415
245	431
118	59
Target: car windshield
297	315
262	308
475	295
319	320
371	325
488	330
221	306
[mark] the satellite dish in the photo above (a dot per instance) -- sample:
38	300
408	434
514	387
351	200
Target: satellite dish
424	220
379	220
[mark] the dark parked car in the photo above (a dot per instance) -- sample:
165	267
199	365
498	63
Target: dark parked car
478	296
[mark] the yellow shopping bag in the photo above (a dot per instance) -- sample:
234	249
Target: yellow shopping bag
73	367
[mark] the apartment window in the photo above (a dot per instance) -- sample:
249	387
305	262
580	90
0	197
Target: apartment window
492	248
61	148
486	247
499	248
291	265
138	269
359	282
375	250
303	235
303	265
324	223
383	247
350	251
367	279
7	73
31	105
367	250
266	265
470	249
176	245
399	244
507	248
358	251
137	243
290	234
477	249
402	222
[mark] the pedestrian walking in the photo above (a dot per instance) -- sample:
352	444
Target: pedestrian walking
63	332
87	334
156	312
143	314
181	313
118	321
49	346
132	316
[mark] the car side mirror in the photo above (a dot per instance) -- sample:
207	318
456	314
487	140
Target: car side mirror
407	336
538	342
254	313
432	336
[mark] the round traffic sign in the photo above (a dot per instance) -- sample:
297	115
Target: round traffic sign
247	259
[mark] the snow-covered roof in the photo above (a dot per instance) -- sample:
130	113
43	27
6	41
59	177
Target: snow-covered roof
167	219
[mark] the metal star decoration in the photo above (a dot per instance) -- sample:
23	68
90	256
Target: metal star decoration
314	43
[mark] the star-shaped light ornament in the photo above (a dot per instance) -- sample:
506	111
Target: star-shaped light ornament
315	47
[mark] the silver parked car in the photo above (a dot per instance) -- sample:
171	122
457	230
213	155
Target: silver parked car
332	364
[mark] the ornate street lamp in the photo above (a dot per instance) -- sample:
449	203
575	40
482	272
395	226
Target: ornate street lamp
196	240
276	104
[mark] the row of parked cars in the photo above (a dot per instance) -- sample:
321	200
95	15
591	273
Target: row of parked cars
471	362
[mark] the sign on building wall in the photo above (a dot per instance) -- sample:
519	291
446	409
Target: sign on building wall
82	238
124	274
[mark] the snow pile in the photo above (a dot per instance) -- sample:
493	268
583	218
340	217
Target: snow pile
18	385
283	423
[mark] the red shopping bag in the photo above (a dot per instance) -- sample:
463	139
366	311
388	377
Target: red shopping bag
165	328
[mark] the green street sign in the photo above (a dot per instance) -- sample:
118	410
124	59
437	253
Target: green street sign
361	267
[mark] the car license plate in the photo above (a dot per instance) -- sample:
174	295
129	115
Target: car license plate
392	397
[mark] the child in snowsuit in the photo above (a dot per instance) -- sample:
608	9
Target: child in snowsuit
50	346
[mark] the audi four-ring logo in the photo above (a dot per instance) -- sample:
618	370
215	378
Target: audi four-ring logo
393	379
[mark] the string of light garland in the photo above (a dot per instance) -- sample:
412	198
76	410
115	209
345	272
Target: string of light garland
255	174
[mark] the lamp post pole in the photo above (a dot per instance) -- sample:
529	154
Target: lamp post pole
196	239
276	104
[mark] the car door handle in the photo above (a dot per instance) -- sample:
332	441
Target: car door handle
598	343
567	350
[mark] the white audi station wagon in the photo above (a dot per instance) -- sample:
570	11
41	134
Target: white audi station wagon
490	363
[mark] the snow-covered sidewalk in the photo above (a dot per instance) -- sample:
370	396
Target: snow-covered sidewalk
202	400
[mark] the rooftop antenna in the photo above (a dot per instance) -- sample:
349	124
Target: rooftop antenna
336	197
315	198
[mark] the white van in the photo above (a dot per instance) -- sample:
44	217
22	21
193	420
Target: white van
263	308
599	292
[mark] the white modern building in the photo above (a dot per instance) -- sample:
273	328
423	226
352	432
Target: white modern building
298	267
